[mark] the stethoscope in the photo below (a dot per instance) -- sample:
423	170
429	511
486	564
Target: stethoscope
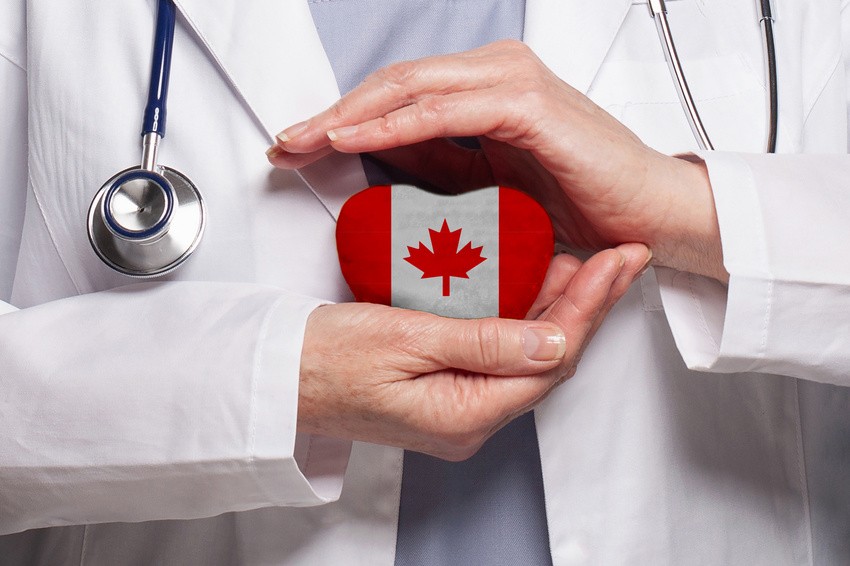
145	221
658	11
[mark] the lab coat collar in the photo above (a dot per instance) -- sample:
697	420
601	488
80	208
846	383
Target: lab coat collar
241	39
269	53
569	36
572	37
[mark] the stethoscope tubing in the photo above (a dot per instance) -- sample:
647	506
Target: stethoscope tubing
131	252
142	243
658	11
766	20
155	110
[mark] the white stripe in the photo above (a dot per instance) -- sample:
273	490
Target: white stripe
414	211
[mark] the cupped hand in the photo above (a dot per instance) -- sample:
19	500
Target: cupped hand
599	182
443	386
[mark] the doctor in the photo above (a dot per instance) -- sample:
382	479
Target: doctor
683	437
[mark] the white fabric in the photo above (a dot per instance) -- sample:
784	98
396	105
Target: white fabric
136	403
784	269
644	459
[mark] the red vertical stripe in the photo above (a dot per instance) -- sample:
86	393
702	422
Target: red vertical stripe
526	244
365	224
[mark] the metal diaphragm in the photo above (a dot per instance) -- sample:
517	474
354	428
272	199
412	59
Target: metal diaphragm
145	224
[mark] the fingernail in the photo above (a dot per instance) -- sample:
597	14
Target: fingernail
543	344
274	151
339	133
292	131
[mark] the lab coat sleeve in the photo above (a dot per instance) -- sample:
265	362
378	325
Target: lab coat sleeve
785	230
786	243
156	401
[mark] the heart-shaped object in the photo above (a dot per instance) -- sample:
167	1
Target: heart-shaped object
482	253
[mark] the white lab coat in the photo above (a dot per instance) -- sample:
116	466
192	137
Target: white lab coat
677	442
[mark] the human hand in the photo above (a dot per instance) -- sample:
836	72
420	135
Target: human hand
601	185
443	386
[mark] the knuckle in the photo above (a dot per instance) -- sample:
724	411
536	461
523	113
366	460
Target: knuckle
388	130
385	127
430	111
462	445
512	46
489	339
429	108
460	455
461	435
338	110
533	93
520	56
396	75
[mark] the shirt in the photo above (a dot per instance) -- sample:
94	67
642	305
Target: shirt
490	508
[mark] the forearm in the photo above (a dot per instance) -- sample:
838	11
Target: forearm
783	220
688	238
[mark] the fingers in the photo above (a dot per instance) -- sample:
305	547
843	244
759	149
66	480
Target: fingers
635	258
495	346
591	289
491	112
385	375
407	83
505	347
584	297
469	113
283	159
562	268
453	95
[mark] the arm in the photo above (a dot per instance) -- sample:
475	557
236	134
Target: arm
786	240
147	402
603	186
180	400
174	401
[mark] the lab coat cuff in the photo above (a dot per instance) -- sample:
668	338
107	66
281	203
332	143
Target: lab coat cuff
717	327
292	470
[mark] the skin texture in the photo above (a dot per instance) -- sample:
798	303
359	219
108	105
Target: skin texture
601	185
443	386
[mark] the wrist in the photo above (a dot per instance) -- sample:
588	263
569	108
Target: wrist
689	237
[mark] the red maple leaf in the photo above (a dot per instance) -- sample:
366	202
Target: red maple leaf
445	261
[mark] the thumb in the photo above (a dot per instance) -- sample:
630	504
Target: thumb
496	346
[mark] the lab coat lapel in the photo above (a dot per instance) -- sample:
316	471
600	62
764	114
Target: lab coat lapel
572	37
272	57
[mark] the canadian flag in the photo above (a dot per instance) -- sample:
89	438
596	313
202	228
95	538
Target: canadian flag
482	253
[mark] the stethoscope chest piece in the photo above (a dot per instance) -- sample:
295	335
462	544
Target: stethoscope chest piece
144	223
147	220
